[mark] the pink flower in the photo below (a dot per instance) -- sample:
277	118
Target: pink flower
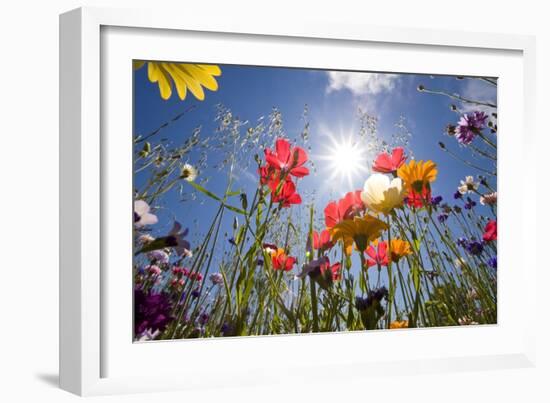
377	255
386	163
490	231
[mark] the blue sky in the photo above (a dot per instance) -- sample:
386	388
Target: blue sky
333	99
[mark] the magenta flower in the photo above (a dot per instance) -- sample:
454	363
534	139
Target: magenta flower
470	126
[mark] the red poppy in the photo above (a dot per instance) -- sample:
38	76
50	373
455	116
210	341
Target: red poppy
286	195
287	159
490	231
321	240
387	163
331	272
267	174
418	200
377	254
345	208
281	261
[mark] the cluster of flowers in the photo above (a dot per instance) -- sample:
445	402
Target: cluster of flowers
348	219
281	165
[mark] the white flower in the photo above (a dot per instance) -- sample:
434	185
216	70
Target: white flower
382	194
488	199
468	186
188	172
141	214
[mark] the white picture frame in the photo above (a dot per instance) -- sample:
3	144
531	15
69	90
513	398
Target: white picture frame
96	357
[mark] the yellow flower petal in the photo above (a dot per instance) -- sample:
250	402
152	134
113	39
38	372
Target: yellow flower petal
205	79
158	75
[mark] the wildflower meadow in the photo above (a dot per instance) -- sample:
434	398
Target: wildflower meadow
271	201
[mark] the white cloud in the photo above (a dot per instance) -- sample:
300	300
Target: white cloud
479	90
361	83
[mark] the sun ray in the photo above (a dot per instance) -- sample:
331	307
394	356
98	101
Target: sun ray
345	160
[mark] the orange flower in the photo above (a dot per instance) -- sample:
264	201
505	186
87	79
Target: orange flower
399	324
399	249
417	176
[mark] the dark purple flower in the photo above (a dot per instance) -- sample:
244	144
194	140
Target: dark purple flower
457	195
461	242
469	204
151	312
436	200
195	293
227	329
474	247
442	217
373	296
203	318
469	126
492	262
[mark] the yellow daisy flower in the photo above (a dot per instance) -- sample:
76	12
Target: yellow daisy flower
360	230
184	76
417	174
399	324
399	249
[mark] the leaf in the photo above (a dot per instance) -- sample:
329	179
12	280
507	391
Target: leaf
204	191
415	273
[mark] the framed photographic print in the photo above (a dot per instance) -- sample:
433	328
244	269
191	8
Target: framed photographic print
263	195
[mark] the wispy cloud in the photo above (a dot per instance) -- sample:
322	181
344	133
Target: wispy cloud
479	90
361	83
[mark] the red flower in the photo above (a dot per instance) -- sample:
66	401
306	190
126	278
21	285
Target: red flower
331	272
286	195
387	163
378	256
418	200
281	261
345	208
267	174
321	240
490	231
287	159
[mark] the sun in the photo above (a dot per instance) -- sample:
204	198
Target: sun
346	159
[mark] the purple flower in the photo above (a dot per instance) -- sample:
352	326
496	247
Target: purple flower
227	329
203	318
195	293
469	204
436	200
469	126
442	217
373	296
176	239
158	256
492	262
457	195
216	278
474	247
461	242
151	312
